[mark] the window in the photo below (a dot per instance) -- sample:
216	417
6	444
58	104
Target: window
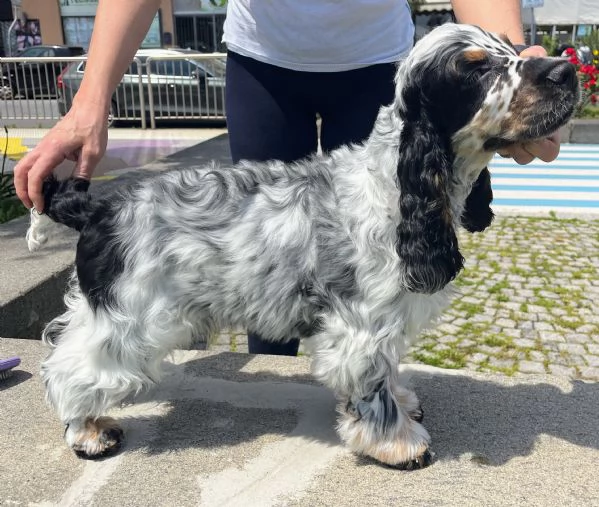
78	30
173	68
35	52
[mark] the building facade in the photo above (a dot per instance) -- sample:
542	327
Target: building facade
69	22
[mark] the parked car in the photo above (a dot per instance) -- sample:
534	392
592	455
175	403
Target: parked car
181	88
33	79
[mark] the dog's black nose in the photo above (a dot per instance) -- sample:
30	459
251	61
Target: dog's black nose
562	73
551	72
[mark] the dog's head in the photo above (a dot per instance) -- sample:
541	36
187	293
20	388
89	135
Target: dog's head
463	93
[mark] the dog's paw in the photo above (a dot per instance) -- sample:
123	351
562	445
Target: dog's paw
400	455
422	461
400	442
94	438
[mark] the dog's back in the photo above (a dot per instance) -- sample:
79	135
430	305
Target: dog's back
219	238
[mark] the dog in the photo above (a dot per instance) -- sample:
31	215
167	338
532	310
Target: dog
353	251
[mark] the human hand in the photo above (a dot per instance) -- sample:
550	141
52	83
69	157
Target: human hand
545	149
81	136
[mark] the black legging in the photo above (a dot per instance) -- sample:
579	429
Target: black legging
271	114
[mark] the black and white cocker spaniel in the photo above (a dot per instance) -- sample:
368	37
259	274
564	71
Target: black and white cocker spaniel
353	250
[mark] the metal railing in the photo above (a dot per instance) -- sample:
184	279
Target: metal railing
177	90
157	87
28	87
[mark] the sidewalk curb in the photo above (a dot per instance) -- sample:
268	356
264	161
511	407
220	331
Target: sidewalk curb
32	283
580	132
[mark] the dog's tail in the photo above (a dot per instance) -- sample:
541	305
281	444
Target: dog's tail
66	202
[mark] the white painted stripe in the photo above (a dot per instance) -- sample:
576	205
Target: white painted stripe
565	155
579	147
550	194
544	210
495	171
539	165
537	182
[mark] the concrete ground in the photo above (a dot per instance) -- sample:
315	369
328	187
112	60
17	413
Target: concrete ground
227	429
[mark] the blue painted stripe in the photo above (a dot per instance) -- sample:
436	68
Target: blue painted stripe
543	188
549	203
499	177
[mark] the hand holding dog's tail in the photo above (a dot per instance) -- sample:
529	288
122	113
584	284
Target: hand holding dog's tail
66	202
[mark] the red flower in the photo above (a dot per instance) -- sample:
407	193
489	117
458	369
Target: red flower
574	60
590	70
570	51
593	99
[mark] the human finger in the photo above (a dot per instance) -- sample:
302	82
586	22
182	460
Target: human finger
21	176
545	149
534	51
41	169
518	153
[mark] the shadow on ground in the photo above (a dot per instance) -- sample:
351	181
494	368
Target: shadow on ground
493	421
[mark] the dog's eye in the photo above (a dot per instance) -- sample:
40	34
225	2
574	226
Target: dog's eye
474	71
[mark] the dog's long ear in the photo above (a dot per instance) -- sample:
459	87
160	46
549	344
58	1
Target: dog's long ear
426	240
477	214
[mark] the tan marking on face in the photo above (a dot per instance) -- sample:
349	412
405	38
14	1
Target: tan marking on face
475	55
522	110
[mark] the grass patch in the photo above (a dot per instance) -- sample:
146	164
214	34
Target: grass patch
450	358
464	281
469	309
10	206
567	324
515	270
499	287
509	371
548	304
495	266
496	340
10	209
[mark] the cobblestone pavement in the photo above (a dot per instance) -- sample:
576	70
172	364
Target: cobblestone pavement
529	302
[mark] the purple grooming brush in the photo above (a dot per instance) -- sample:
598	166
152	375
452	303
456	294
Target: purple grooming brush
6	365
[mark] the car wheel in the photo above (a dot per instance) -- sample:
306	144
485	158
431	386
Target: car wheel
111	115
5	92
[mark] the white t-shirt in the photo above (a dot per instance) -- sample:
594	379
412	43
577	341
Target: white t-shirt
319	35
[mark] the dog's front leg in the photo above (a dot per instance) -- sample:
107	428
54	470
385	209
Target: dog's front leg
377	416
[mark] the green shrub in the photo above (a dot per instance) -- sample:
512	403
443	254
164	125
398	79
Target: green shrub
10	206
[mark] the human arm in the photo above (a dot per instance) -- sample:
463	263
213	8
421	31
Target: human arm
503	16
82	134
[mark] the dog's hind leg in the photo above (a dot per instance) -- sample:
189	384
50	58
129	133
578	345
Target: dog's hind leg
98	357
377	416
